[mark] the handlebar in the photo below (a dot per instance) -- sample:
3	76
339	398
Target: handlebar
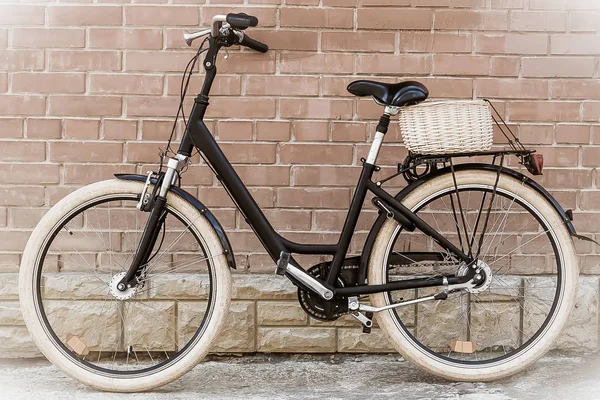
234	25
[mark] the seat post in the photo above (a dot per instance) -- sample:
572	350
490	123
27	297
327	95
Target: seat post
382	128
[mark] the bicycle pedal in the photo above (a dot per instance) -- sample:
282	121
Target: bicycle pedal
367	329
282	263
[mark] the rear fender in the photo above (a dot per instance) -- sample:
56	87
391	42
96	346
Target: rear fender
368	248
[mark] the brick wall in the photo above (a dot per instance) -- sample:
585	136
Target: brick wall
88	90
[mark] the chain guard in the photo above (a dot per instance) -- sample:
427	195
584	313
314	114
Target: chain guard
321	309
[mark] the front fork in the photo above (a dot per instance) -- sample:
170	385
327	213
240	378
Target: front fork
152	229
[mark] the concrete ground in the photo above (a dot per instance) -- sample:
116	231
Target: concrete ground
318	377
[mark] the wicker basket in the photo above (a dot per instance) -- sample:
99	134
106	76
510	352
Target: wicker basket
447	127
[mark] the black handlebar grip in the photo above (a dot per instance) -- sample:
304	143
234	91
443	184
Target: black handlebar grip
241	20
254	44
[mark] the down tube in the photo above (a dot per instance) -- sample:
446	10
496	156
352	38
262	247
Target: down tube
204	141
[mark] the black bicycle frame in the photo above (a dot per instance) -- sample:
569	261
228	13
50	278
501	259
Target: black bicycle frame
197	135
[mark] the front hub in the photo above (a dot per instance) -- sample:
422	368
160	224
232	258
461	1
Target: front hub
116	292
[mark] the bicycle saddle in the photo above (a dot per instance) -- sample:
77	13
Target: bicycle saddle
391	94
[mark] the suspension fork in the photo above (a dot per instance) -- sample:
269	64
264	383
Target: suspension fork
152	228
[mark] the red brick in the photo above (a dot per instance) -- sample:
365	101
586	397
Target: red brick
28	174
331	198
245	107
217	197
137	39
119	129
584	21
316	108
156	130
445	64
157	61
394	18
43	128
348	132
289	220
551	67
576	89
311	131
25	217
267	16
315	154
505	66
591	155
234	130
48	83
358	41
269	175
143	152
591	111
391	64
282	85
43	37
500	4
159	15
536	134
471	20
22	15
511	43
151	106
15	60
11	127
81	128
571	134
276	131
538	21
249	153
222	85
306	63
325	176
25	196
22	105
288	40
126	84
84	106
575	44
73	15
23	151
541	111
84	60
316	17
68	151
560	178
247	62
547	4
439	42
511	88
90	173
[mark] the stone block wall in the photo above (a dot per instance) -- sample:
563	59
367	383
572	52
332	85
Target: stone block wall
90	88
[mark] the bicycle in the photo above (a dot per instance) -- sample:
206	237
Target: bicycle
471	268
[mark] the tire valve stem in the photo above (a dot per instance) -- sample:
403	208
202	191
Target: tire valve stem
70	232
129	349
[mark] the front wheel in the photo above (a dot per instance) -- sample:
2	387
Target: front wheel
132	340
525	252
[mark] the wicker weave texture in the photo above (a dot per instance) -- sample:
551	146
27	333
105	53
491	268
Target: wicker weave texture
447	127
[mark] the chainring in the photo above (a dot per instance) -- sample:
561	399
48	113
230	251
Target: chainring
319	308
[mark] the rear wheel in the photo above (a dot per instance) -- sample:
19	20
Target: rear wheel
131	340
513	317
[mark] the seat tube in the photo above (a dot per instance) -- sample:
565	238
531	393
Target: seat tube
382	128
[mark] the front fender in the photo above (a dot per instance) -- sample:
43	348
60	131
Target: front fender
368	248
200	207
